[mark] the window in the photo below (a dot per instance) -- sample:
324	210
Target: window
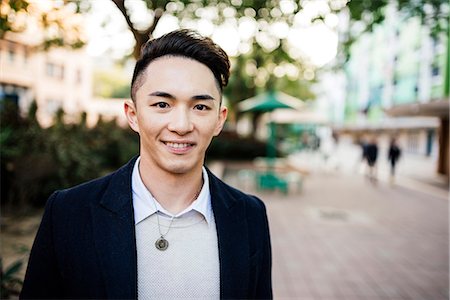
49	69
435	71
11	54
26	55
413	142
54	70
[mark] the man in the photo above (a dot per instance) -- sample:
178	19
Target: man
162	226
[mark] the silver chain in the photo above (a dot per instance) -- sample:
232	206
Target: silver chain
173	217
159	226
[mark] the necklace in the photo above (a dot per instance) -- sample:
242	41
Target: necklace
162	243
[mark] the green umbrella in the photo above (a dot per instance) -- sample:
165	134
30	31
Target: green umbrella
269	101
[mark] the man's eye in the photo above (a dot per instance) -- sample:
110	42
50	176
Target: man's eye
161	105
201	107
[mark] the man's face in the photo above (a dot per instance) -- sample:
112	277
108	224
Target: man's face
176	112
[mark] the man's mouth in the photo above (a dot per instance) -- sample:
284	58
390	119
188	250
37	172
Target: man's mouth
178	145
181	147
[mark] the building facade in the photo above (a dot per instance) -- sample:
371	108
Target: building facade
397	84
54	79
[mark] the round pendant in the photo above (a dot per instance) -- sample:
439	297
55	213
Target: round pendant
161	244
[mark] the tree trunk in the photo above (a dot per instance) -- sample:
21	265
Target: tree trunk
141	37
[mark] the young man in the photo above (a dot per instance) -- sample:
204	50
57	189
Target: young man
162	226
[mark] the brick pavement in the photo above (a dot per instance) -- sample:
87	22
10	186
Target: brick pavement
344	237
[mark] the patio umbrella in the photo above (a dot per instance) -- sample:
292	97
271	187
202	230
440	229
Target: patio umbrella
268	102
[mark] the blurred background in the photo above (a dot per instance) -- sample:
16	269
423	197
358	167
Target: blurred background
339	121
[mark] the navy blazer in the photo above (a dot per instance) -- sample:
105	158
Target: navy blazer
86	248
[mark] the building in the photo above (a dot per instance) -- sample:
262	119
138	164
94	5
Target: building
58	78
397	84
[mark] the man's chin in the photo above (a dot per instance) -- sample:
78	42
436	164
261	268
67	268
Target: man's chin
180	168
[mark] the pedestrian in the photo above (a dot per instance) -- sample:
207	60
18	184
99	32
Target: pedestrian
371	155
162	226
361	142
394	153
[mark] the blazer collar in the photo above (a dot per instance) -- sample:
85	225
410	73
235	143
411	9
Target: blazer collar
118	194
114	235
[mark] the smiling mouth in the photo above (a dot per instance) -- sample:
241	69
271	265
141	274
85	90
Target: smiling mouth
178	145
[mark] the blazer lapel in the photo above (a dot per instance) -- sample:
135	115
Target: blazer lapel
114	235
232	234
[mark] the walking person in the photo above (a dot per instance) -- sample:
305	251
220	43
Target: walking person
162	226
371	155
394	153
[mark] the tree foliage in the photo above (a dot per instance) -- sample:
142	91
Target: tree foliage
62	155
214	11
253	69
433	13
365	15
54	23
9	13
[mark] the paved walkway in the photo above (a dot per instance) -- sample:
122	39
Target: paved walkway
345	237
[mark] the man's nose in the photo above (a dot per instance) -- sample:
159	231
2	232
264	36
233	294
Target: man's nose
180	121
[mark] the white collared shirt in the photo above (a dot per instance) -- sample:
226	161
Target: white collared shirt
145	204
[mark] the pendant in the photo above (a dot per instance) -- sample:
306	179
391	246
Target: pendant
161	244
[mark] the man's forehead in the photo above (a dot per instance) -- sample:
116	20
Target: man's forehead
167	61
168	65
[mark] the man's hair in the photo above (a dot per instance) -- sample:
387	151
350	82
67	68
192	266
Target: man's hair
184	43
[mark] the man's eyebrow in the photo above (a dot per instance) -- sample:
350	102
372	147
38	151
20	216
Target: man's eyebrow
203	97
196	97
162	94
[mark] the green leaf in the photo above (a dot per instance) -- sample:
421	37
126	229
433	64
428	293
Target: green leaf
13	269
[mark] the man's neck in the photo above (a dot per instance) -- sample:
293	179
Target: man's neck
175	192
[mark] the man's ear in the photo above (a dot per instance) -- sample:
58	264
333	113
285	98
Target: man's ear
131	114
223	112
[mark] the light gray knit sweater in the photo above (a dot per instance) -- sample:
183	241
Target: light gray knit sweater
188	269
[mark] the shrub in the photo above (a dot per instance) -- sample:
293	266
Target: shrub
36	161
229	146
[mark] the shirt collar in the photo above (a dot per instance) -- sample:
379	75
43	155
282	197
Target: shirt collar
144	202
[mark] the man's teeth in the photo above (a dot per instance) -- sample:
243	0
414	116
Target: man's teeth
178	145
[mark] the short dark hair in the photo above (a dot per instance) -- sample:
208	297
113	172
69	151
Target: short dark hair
184	43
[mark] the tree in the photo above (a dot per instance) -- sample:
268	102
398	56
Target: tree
214	11
58	23
258	71
266	62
